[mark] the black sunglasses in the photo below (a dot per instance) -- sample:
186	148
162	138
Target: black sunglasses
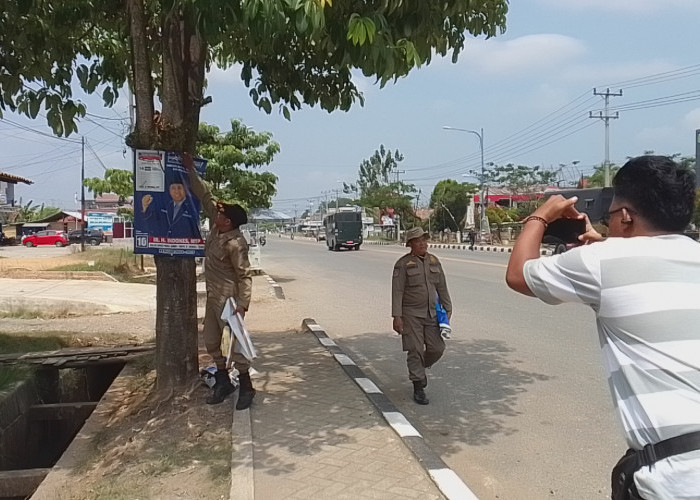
606	220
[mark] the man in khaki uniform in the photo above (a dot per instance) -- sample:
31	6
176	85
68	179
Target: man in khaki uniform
417	281
227	273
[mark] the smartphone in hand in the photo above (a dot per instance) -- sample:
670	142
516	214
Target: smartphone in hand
564	230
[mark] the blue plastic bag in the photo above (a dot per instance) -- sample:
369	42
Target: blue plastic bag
442	319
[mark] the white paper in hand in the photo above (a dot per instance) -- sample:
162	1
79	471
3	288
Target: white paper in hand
242	342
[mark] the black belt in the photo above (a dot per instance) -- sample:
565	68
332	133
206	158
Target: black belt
678	445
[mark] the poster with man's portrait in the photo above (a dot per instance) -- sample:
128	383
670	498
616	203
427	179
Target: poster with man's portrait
166	213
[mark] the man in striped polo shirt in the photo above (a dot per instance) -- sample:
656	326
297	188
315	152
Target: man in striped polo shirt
643	282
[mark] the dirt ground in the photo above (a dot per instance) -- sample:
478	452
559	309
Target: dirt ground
150	448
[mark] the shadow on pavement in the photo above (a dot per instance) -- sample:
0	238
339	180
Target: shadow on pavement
473	388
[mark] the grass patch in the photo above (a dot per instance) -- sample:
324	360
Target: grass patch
9	374
23	312
123	264
29	343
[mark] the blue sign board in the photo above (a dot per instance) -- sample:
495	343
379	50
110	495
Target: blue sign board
166	213
99	220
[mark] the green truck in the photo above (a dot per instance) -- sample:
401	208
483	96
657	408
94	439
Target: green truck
343	230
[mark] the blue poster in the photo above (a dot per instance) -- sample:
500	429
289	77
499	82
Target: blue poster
166	213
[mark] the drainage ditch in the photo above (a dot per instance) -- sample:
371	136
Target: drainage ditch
40	418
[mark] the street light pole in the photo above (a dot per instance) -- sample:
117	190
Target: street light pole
484	219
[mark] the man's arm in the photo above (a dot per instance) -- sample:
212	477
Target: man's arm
398	281
527	246
200	189
444	293
244	276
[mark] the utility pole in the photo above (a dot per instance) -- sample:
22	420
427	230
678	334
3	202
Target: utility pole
82	198
606	116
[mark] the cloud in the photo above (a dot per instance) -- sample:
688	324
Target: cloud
527	54
230	76
626	6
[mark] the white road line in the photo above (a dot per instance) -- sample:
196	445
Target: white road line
344	359
400	424
367	385
451	485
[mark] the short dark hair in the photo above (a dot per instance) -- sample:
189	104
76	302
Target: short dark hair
659	189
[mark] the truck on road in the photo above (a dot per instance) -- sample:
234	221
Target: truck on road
343	230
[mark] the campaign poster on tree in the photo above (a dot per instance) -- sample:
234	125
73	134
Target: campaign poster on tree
166	212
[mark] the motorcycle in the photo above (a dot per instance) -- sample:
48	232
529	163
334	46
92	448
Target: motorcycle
263	240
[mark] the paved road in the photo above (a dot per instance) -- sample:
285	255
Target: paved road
519	405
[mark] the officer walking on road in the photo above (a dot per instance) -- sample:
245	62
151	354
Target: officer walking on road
417	281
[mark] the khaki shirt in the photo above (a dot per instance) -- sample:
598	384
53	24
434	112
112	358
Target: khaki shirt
414	284
227	268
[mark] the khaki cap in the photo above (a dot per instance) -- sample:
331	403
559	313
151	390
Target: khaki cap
415	232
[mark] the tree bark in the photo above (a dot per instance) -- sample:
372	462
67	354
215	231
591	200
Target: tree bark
176	324
141	79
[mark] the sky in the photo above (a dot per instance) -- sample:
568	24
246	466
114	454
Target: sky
530	89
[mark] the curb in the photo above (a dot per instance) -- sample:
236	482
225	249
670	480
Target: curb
447	481
455	246
279	293
242	464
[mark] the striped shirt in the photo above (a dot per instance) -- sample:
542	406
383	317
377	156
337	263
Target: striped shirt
645	292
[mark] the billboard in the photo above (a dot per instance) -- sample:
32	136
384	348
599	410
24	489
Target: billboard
99	220
166	213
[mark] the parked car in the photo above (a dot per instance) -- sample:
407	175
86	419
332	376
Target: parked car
92	236
57	238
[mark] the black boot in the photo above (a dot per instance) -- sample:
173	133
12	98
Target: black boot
222	387
247	393
419	394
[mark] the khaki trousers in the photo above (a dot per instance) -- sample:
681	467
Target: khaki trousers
423	344
212	332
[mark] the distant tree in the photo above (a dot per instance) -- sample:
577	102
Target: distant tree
31	212
116	181
597	178
378	185
521	179
341	202
449	200
231	156
500	215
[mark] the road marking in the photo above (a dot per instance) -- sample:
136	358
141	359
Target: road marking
344	359
367	385
326	341
400	424
451	485
451	259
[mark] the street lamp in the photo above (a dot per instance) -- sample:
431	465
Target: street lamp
484	219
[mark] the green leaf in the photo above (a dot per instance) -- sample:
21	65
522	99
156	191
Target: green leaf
34	105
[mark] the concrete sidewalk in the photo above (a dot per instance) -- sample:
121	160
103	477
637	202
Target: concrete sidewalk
314	434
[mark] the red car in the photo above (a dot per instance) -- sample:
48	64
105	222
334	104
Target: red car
57	238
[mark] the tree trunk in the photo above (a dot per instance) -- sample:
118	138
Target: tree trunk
181	95
176	324
141	78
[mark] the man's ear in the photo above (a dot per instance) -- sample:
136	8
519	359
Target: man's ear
626	217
